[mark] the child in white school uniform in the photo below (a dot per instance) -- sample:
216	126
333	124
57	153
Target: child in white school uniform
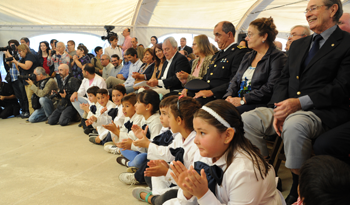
118	92
121	133
181	111
147	105
104	115
227	168
90	108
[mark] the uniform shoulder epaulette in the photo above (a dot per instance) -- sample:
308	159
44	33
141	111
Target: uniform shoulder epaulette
241	47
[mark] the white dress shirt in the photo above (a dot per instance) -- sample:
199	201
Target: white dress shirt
165	74
110	51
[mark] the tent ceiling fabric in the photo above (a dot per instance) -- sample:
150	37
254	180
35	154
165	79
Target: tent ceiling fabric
20	18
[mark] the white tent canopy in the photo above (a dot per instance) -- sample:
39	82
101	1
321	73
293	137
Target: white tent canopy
145	18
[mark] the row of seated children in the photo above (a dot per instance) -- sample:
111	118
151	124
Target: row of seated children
173	165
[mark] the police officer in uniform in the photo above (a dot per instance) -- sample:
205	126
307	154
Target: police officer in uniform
223	66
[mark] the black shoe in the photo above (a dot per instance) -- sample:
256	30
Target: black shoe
25	115
291	199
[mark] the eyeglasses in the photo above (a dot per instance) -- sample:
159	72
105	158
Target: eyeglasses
249	35
312	8
292	35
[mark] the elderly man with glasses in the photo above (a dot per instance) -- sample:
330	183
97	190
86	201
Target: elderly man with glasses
312	94
297	32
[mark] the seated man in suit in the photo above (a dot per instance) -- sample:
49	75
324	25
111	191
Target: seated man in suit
175	63
312	94
183	46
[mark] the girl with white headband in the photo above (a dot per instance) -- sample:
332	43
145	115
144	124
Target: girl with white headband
227	168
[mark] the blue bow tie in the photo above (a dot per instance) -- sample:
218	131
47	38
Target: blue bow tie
93	109
113	112
128	125
214	174
164	139
178	153
148	135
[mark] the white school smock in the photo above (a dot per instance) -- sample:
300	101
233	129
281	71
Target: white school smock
239	185
103	119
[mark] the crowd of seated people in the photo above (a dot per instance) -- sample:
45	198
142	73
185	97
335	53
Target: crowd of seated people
194	130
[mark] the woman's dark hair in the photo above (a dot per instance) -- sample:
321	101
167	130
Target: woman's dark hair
159	46
131	98
149	97
47	48
266	26
324	180
184	108
97	49
239	143
83	48
155	37
120	88
150	51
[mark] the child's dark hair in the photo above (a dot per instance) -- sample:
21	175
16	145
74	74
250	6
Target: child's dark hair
166	102
230	114
185	108
93	90
131	98
149	97
324	180
120	88
102	91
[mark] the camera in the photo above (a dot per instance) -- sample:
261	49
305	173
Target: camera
53	52
109	33
12	50
8	59
31	76
55	95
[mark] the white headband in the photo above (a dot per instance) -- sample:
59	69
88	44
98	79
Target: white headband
216	116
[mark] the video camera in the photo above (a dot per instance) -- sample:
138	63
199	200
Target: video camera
109	33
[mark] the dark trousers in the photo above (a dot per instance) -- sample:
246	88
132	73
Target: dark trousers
139	174
63	117
20	94
335	142
8	110
160	199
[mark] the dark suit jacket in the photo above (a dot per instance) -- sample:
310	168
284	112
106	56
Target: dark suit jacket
179	63
266	73
326	79
187	48
222	69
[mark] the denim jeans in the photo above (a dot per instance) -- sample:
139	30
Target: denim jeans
44	112
76	104
20	94
136	158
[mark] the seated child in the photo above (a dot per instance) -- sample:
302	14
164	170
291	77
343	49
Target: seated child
121	133
104	115
89	109
180	112
227	168
147	105
324	180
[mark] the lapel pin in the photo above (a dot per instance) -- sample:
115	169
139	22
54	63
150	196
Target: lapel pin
332	44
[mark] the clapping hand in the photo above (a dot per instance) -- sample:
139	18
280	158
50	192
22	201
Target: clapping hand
156	168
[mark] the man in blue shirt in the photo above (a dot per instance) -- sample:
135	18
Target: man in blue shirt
121	77
25	40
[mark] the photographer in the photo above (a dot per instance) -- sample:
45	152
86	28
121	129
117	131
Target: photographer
42	90
8	103
12	77
26	67
56	58
65	110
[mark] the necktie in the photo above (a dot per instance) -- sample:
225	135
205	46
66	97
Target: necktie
313	50
148	134
214	174
178	153
93	109
113	112
128	125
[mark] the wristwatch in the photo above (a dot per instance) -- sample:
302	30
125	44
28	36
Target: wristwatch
242	101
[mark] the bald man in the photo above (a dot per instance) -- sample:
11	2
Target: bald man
344	22
65	111
60	57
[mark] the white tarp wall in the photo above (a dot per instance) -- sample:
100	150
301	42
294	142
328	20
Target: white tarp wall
19	18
